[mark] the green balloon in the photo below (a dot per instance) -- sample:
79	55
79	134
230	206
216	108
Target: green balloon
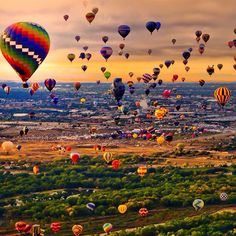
107	74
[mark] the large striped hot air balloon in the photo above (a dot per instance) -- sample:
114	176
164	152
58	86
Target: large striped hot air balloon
25	45
222	95
107	156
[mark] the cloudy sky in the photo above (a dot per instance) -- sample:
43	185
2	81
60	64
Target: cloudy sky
180	19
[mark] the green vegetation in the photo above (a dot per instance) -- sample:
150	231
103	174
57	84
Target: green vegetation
61	191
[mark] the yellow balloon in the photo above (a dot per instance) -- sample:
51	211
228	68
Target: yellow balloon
160	140
135	135
82	100
122	208
7	146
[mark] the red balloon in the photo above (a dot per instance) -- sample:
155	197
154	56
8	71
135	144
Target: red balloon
116	164
55	227
74	157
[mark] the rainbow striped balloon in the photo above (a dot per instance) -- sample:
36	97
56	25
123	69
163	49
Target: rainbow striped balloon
25	45
107	227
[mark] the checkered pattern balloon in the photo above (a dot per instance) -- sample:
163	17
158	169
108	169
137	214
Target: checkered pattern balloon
223	196
25	45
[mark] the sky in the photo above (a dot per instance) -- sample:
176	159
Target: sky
179	18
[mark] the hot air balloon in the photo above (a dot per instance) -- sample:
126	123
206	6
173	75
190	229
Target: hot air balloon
74	157
84	67
130	83
25	46
187	68
201	82
127	55
175	77
160	140
50	84
82	55
234	66
91	206
124	30
161	66
77	230
166	93
222	95
223	196
95	10
168	63
18	147
36	169
118	89
103	69
173	41
205	37
77	86
7	146
55	227
107	156
122	208
198	204
156	71
107	227
160	81
198	33
107	74
106	52
142	170
105	39
220	66
122	46
230	44
90	16
35	87
183	79
158	25
151	26
71	57
7	90
146	78
210	70
82	100
149	51
143	212
22	227
66	17
186	55
77	38
115	164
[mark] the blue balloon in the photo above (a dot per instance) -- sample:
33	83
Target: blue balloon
124	30
118	89
82	55
186	55
168	63
151	26
158	25
91	206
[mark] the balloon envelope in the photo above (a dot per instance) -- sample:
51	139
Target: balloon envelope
25	45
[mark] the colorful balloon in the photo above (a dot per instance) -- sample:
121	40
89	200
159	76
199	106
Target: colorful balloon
25	46
222	95
106	52
55	227
107	227
50	84
77	230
